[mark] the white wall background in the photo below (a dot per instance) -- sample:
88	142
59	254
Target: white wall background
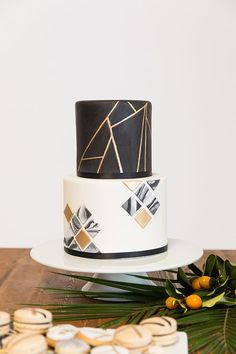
181	55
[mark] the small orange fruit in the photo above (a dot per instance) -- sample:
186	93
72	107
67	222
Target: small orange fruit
171	303
193	302
204	282
234	292
196	284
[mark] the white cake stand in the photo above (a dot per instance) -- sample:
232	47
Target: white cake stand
180	253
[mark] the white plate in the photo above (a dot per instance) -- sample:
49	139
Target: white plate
180	253
180	347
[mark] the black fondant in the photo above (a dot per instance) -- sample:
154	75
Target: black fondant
117	255
119	147
110	163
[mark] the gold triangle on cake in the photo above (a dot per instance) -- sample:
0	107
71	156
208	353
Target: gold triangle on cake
132	185
68	213
143	218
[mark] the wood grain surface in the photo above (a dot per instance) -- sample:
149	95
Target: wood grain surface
20	278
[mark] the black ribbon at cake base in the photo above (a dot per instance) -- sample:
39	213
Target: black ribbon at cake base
124	175
117	255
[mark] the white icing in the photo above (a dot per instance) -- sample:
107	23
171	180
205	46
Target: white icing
77	345
119	231
62	332
98	333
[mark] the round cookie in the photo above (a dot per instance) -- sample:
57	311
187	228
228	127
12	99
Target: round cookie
27	343
109	349
4	323
32	320
163	329
73	346
133	337
167	339
96	336
60	333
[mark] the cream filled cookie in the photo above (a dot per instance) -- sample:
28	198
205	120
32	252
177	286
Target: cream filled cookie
32	320
27	343
109	349
96	336
4	323
166	339
133	337
163	329
60	333
72	346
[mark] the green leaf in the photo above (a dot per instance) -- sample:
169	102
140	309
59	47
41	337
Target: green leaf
219	289
228	301
202	292
138	288
183	306
114	323
220	264
214	283
151	278
209	265
183	279
195	269
211	302
214	325
232	284
228	267
172	291
230	270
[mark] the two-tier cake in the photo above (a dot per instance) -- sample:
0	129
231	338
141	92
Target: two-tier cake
115	207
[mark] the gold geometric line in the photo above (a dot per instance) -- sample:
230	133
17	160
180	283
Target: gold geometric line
145	143
92	158
141	141
130	116
132	106
115	105
90	142
148	125
103	156
96	132
114	144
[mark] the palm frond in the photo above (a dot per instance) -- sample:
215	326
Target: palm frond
214	330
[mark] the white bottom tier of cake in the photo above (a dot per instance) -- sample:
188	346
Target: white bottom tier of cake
113	218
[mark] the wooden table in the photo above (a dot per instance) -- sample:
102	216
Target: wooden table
20	276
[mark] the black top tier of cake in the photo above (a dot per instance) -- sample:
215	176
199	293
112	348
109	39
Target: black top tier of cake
113	139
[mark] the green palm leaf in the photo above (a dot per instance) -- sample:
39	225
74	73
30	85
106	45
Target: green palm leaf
214	330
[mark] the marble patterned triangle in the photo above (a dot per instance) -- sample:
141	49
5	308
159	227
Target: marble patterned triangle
153	183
